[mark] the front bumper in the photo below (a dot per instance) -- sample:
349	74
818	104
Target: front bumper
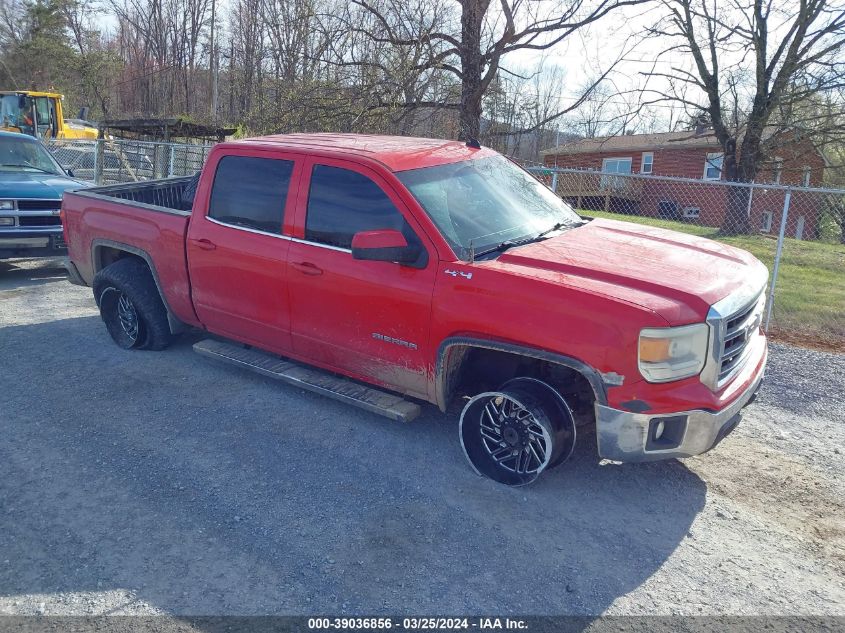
46	242
630	437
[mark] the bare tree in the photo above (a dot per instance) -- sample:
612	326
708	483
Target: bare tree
470	38
751	61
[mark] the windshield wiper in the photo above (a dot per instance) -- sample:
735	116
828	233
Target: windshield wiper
26	166
503	246
557	227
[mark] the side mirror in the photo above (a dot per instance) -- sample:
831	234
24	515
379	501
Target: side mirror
69	172
384	245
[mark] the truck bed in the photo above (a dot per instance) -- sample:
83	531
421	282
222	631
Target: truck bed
165	194
146	219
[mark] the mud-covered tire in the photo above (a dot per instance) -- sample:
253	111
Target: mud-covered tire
126	294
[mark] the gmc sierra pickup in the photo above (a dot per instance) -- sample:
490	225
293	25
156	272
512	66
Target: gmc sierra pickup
385	271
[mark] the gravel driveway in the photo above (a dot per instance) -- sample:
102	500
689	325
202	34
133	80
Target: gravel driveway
150	482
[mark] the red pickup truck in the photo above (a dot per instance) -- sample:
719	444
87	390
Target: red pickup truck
386	271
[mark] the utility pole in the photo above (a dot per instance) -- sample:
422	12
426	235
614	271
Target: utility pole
213	64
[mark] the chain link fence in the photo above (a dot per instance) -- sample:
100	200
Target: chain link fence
111	161
798	232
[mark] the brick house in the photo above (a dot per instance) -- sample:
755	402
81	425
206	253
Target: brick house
688	154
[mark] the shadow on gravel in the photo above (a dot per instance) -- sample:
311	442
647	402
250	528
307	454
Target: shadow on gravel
201	489
14	276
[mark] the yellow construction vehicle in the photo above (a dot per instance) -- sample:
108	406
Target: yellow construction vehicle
40	114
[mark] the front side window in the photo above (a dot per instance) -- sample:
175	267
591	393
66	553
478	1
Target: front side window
342	202
478	204
713	166
251	192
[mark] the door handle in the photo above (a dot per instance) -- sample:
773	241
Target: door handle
307	268
204	244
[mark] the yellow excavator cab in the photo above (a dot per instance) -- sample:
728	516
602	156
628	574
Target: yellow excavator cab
40	114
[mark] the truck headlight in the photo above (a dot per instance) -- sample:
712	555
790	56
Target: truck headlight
7	205
672	353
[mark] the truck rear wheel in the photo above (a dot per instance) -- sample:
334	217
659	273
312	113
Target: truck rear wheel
131	306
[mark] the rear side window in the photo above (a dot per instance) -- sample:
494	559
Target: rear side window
342	202
251	192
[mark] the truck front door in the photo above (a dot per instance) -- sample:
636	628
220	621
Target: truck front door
368	319
237	253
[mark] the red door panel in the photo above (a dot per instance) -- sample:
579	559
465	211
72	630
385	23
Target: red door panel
366	318
239	274
239	284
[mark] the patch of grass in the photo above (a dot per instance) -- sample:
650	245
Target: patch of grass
810	289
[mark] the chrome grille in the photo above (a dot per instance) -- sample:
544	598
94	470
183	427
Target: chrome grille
737	330
733	321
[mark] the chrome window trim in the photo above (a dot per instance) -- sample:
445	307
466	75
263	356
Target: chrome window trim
320	245
281	236
245	228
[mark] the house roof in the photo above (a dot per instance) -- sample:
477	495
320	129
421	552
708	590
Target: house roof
638	142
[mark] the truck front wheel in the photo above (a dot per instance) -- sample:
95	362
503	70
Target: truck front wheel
130	305
513	434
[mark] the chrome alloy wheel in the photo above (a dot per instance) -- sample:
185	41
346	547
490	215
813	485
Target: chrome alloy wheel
512	437
128	317
122	318
508	435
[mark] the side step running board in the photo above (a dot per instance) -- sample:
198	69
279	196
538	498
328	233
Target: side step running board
380	402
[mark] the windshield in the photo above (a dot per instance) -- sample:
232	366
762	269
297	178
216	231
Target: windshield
21	152
478	204
11	115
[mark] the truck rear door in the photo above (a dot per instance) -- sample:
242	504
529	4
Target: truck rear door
368	319
237	253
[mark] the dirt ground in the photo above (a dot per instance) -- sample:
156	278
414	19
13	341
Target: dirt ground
159	482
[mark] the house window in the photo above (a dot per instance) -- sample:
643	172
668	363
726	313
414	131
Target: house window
777	171
713	166
766	222
805	177
647	163
614	166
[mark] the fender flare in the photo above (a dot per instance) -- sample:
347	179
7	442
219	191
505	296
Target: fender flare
444	369
176	325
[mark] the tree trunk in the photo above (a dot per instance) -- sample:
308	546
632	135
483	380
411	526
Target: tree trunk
737	220
471	69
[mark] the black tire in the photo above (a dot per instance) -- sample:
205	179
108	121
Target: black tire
509	435
127	294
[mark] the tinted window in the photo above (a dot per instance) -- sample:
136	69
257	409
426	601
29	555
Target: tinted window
251	192
343	202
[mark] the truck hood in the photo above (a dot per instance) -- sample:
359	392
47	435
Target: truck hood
659	268
16	184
